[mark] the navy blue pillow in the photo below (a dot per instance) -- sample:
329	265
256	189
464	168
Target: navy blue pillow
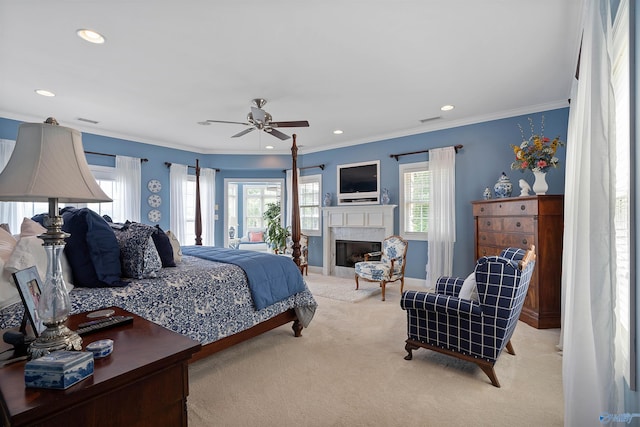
92	249
163	246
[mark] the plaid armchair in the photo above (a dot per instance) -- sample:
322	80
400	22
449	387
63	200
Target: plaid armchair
390	267
476	331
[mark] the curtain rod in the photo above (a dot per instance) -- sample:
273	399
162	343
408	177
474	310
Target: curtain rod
109	155
308	167
168	164
395	156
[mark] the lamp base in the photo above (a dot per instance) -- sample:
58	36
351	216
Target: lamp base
56	337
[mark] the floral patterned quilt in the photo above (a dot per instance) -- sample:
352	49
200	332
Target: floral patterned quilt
201	299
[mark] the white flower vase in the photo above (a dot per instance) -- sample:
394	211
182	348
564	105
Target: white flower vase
540	186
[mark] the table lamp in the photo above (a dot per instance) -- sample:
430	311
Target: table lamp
48	164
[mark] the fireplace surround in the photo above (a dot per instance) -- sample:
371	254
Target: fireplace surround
361	223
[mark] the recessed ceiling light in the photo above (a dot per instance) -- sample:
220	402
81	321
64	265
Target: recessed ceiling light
447	107
269	147
90	36
44	92
337	132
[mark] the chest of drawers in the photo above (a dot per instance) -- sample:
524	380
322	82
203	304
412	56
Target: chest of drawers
521	222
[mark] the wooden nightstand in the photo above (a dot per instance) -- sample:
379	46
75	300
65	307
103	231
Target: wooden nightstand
145	381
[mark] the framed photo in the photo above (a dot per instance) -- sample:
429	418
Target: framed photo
29	286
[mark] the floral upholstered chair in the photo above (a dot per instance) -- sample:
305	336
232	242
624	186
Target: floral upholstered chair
390	267
472	319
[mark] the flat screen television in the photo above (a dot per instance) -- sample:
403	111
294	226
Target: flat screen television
359	183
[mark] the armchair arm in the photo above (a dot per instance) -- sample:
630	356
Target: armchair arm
449	305
370	254
446	285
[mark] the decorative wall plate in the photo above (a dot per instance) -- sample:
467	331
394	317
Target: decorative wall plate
154	200
154	215
154	185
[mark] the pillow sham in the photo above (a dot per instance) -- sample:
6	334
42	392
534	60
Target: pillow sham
30	227
175	244
138	254
8	291
92	249
29	251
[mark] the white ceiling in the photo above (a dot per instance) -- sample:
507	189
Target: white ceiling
372	68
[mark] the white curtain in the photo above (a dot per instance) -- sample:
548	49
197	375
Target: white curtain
442	213
8	210
289	185
588	272
177	185
207	203
128	182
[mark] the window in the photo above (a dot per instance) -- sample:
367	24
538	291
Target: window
309	190
256	198
415	182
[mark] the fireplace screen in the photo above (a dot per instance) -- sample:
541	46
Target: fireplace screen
348	252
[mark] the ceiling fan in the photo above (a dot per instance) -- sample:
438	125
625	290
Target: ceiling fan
261	120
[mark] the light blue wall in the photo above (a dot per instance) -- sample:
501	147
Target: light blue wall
486	154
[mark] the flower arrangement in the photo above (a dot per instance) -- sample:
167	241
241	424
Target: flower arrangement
536	153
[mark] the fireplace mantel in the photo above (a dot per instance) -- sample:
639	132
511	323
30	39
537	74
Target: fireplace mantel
379	219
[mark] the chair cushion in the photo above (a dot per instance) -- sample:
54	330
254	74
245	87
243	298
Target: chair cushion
469	290
373	270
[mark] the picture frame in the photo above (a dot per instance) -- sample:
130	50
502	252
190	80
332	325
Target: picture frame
30	289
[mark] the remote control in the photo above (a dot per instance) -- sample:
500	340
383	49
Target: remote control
100	324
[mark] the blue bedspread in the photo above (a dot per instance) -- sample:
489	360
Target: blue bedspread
271	278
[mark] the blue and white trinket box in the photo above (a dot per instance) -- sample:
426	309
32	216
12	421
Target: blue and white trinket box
59	369
101	348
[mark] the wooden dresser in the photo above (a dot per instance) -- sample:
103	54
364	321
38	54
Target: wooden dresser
521	222
144	382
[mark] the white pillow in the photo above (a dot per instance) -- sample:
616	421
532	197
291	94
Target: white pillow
30	227
469	290
175	244
28	252
7	243
8	291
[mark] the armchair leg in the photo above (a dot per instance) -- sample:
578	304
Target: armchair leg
409	348
357	284
510	349
491	373
383	285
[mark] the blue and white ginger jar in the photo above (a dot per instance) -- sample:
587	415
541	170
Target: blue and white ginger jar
503	187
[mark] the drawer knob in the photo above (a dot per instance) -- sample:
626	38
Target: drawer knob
524	241
523	207
481	209
518	224
488	223
484	237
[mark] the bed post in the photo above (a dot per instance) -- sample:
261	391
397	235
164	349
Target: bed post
295	214
198	224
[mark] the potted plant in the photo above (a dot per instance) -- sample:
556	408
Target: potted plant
275	233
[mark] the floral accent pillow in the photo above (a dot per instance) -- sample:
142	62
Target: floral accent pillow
138	254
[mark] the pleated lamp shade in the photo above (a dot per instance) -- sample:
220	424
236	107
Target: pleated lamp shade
48	162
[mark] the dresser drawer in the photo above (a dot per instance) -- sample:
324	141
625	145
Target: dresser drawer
509	207
517	224
505	240
490	224
488	250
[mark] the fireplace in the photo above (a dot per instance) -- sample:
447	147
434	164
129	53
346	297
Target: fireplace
348	252
357	226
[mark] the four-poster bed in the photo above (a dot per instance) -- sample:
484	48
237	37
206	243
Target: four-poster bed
212	301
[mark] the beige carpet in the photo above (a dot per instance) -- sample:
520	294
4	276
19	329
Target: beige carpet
348	369
343	289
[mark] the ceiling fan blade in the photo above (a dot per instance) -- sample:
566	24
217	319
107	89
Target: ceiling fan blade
277	134
224	121
295	124
258	114
244	132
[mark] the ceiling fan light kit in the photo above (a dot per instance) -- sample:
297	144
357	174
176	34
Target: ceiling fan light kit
262	120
